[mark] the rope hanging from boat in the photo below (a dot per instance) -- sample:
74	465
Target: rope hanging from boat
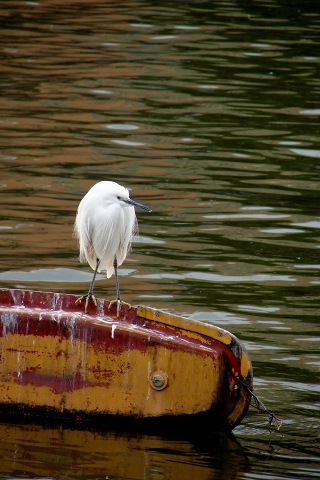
273	420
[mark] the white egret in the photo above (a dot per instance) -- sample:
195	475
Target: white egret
105	224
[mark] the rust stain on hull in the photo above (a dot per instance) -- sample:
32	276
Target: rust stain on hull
55	356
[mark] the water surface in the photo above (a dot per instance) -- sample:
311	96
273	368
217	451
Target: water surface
210	114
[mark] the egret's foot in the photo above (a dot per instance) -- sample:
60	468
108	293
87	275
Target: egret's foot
88	297
119	303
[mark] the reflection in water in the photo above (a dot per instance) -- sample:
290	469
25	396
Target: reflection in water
209	113
48	452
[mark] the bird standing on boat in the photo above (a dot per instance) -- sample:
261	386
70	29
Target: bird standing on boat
105	224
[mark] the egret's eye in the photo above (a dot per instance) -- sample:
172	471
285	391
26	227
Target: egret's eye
119	198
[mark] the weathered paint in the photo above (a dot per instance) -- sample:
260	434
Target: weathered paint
55	356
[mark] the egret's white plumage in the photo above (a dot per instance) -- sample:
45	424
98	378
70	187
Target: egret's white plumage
105	224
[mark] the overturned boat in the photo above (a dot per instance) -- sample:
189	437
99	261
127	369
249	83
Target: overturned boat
145	365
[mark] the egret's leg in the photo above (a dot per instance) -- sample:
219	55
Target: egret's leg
115	266
118	299
89	296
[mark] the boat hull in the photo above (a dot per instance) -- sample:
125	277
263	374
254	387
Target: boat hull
145	364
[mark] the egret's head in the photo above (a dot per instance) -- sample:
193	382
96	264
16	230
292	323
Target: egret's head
112	192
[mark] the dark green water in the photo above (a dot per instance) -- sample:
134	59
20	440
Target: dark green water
210	113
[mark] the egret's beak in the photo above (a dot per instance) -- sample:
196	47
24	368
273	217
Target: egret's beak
136	204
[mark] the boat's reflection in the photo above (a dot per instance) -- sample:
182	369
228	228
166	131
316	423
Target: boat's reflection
30	450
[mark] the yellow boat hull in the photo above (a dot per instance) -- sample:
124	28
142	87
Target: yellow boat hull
144	364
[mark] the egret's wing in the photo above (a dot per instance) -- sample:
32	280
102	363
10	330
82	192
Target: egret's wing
104	231
130	227
107	231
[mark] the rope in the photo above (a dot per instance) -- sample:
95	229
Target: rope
273	420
